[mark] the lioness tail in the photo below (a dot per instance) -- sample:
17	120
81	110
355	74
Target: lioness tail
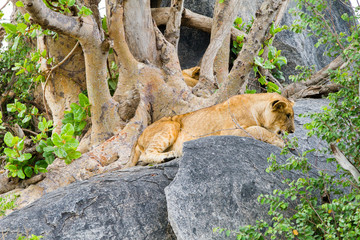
134	157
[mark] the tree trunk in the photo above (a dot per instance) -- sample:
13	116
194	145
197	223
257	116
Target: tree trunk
150	86
65	82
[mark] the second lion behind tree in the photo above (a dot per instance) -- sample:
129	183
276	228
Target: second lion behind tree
262	116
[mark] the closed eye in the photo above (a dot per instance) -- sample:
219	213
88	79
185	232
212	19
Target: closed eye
288	115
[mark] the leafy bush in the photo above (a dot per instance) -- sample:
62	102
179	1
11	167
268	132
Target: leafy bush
7	202
23	164
78	114
337	214
338	217
32	237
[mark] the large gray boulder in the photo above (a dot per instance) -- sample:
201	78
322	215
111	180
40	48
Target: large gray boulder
218	182
119	205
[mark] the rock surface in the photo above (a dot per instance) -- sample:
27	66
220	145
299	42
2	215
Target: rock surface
216	185
119	205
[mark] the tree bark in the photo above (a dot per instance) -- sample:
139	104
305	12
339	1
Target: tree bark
103	108
243	64
65	82
207	83
172	31
190	19
221	62
140	31
294	88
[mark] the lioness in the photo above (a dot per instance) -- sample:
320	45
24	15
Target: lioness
262	116
191	76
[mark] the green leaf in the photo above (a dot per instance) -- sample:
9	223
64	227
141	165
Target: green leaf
83	100
11	167
268	65
104	25
27	17
272	52
84	11
49	149
20	145
60	152
259	61
11	107
67	130
26	119
262	80
8	139
261	52
49	157
21	27
28	171
9	28
34	111
57	140
74	154
25	157
42	163
79	127
71	3
19	4
79	115
21	174
71	144
11	153
16	43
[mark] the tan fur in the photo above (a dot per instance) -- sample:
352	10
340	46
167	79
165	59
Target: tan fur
191	76
261	116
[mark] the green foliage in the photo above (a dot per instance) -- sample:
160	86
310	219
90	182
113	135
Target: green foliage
1	122
114	76
242	26
32	237
62	146
84	11
19	163
78	114
339	122
273	63
305	73
7	202
337	218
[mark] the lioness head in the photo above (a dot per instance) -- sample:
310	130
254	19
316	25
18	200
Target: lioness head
279	116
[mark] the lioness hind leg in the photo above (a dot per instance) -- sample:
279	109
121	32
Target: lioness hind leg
265	135
165	138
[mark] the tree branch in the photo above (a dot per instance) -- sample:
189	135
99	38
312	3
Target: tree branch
243	64
290	90
190	19
207	82
51	70
172	31
55	21
344	162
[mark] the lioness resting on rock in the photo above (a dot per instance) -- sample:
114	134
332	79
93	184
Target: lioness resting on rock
263	116
191	76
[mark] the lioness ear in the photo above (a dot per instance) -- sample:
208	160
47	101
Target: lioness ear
278	105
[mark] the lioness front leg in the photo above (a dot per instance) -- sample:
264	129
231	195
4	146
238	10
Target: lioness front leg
265	135
154	152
